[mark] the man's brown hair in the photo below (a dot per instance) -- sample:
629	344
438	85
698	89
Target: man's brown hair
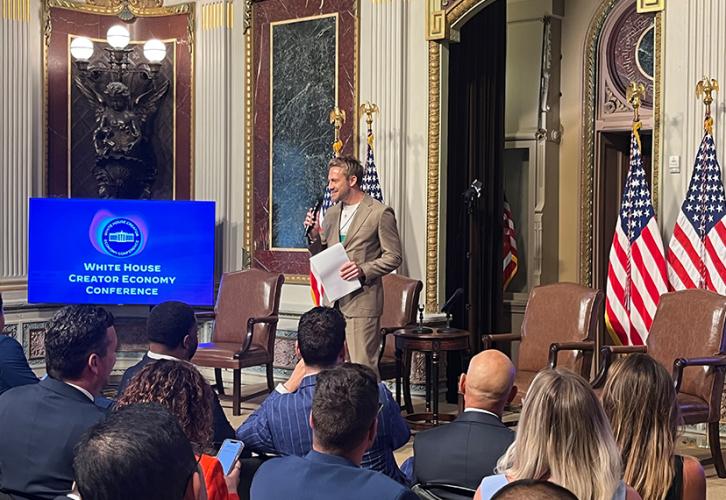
350	167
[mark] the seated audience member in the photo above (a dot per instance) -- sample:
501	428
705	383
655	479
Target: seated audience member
640	401
41	423
464	451
14	368
343	419
280	424
563	436
533	489
138	452
172	332
180	388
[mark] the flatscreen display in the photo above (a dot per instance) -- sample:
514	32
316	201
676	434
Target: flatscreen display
88	251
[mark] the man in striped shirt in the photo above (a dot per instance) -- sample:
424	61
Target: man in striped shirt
281	424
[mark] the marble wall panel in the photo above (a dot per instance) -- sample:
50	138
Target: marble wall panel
66	22
267	16
303	93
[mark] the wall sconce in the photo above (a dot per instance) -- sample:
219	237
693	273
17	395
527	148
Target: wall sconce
124	106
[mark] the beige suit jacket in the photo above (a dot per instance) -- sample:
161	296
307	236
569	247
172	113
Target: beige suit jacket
373	243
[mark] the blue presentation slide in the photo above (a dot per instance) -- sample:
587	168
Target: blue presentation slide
86	251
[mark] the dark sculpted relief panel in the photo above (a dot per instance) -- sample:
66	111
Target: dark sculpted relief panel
99	137
122	132
303	93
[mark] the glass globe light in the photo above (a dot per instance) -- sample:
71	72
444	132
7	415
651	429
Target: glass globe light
81	48
154	50
117	36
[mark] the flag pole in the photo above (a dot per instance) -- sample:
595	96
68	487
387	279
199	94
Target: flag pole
705	89
337	118
634	94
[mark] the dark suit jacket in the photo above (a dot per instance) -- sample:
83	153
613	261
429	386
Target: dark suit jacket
373	243
41	424
221	427
14	368
318	476
462	452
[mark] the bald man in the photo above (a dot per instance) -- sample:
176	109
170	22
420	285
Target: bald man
467	449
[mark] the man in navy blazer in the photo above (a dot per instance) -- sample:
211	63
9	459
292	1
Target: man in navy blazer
14	368
280	424
43	422
172	331
467	449
343	419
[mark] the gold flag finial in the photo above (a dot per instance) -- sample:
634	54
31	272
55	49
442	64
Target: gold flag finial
705	89
337	118
635	94
368	109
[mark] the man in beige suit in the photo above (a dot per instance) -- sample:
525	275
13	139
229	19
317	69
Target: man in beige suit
367	229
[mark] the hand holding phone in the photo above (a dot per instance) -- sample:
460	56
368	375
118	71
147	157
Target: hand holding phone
229	453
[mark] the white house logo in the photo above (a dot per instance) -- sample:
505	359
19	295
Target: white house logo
121	237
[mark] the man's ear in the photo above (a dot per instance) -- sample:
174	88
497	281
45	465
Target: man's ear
297	350
310	421
341	355
186	341
93	363
512	394
353	180
462	383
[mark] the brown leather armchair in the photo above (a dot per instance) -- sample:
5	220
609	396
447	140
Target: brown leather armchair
687	334
400	298
559	318
244	329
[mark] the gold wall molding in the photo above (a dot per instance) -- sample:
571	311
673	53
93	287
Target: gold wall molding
587	170
116	9
437	27
454	14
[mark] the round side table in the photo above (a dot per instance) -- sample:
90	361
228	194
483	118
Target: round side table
432	345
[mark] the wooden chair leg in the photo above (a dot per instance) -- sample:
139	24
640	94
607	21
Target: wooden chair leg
218	380
236	392
270	378
714	441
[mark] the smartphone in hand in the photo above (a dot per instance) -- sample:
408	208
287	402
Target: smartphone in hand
229	453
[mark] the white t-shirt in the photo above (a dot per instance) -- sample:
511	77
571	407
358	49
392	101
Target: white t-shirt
346	217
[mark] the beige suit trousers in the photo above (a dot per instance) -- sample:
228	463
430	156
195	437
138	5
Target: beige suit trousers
362	337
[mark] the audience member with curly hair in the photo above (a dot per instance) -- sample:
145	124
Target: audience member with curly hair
178	386
563	437
640	401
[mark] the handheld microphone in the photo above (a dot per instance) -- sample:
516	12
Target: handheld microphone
316	209
449	303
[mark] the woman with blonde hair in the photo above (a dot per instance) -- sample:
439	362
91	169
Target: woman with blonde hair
640	401
181	389
564	437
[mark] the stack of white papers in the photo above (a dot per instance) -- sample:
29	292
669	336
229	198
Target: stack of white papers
326	268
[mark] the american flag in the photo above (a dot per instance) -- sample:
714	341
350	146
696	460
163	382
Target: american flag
509	242
697	251
637	270
371	184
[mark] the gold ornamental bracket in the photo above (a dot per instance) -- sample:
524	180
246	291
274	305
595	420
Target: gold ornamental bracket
635	94
437	26
337	118
645	6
